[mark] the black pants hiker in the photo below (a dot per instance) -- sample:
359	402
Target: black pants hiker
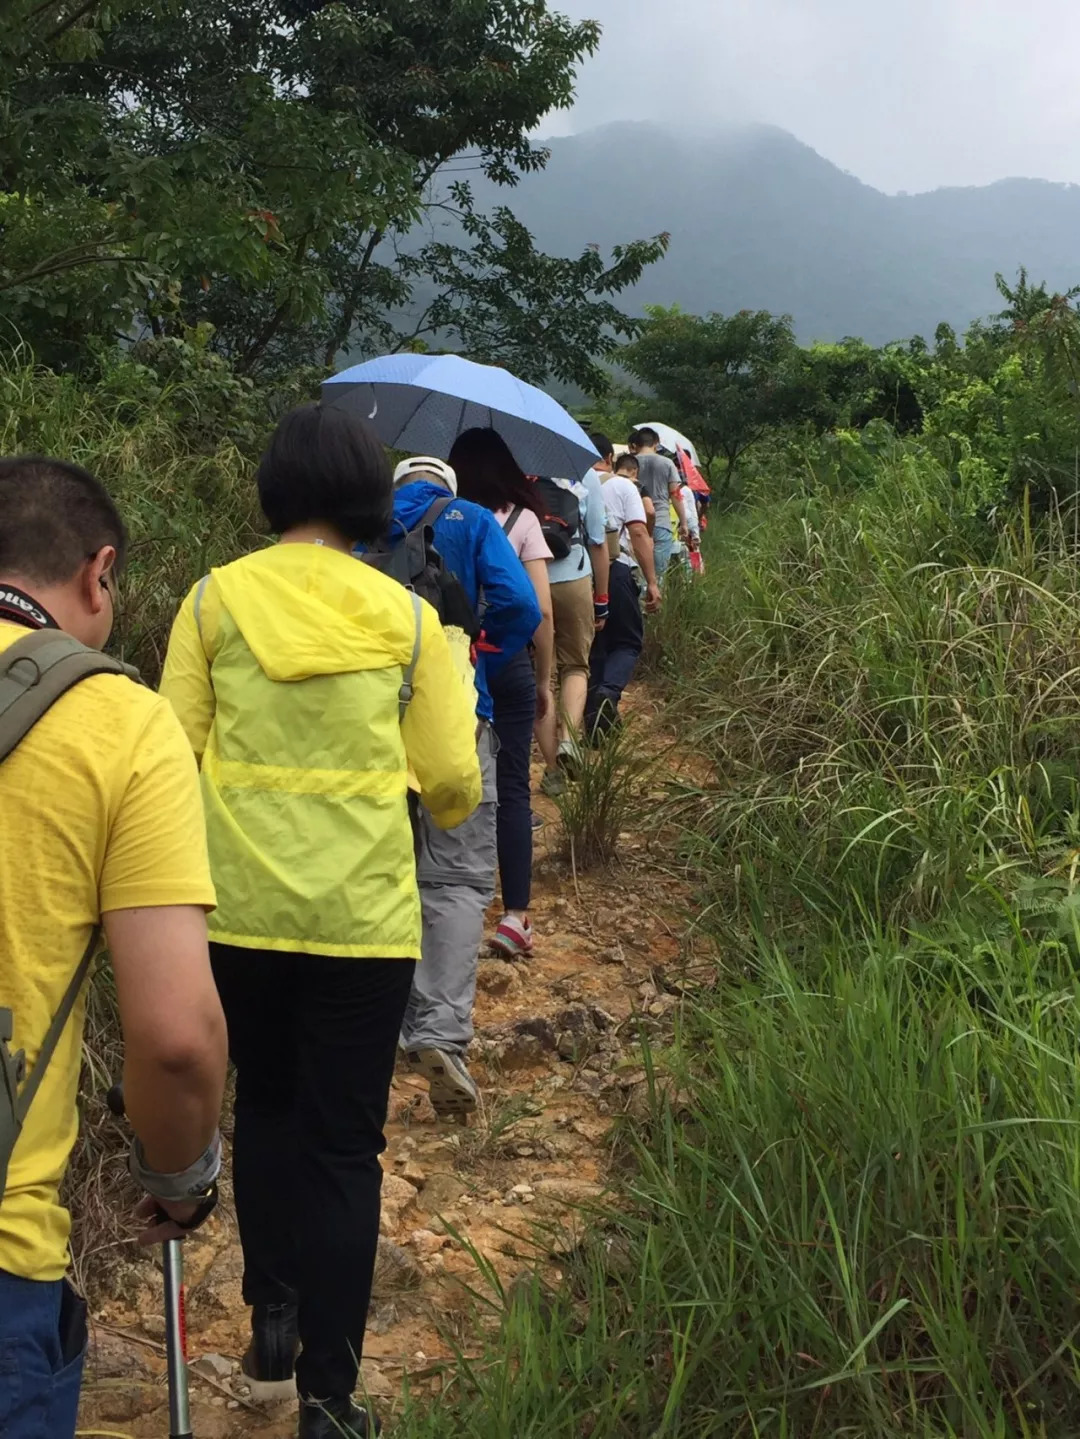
513	691
313	1040
615	651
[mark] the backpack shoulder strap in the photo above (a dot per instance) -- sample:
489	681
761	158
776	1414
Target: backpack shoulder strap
512	519
433	511
408	675
36	671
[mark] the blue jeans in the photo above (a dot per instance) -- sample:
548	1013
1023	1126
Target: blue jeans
663	541
42	1348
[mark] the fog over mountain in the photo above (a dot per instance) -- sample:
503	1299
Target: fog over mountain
760	220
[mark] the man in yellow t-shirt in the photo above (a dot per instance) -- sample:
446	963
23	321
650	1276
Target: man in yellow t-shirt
102	824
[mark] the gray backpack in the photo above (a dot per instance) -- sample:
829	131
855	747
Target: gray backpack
34	673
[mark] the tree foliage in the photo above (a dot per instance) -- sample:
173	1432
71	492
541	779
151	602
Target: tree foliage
725	380
257	167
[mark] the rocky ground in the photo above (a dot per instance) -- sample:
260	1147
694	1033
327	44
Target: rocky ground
556	1057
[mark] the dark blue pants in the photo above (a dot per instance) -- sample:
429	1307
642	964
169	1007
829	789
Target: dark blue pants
42	1348
615	652
514	693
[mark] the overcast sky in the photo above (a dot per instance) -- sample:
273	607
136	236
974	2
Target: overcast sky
906	94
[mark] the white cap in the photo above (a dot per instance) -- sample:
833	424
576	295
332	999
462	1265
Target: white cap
421	465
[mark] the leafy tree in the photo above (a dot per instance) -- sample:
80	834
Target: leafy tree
258	166
726	381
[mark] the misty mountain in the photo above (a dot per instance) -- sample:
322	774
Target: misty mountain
759	220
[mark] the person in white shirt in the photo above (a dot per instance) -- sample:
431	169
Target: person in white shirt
618	645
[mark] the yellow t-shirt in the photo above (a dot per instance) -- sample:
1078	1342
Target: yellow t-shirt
99	810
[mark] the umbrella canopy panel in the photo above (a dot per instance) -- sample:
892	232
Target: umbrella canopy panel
422	403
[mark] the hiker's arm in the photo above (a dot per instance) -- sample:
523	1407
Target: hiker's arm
513	612
174	1031
601	567
650	513
643	551
544	638
154	891
680	510
185	680
439	730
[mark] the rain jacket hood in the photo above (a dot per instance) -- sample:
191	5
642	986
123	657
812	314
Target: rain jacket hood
301	619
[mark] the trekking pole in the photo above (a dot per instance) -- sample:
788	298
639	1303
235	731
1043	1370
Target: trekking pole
172	1263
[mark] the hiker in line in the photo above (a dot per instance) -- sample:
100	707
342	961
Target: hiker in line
489	475
617	647
575	526
103	826
456	868
659	479
683	550
309	686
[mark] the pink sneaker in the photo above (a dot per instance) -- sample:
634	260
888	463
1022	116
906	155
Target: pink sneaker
513	939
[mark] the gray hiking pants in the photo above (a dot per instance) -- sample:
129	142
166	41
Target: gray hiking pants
455	871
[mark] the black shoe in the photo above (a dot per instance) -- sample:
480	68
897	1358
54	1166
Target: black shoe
269	1366
336	1419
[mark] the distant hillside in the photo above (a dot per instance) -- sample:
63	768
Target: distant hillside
759	220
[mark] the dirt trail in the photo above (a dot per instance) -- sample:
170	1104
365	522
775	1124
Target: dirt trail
555	1057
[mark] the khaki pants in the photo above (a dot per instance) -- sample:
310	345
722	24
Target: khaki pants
572	608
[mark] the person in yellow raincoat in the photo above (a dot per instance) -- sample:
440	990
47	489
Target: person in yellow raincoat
310	687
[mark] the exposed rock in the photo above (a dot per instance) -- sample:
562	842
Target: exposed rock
426	1242
441	1192
398	1196
412	1173
569	1191
495	976
214	1366
395	1268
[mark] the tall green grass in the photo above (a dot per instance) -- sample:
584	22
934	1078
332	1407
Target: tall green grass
851	1206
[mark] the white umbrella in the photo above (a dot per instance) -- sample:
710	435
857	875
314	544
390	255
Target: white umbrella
670	438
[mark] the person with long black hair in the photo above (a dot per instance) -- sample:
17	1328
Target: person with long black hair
489	475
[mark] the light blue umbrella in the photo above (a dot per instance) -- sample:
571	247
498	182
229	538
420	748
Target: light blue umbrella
421	403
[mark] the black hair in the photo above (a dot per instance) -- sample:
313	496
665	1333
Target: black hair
325	464
488	474
627	462
54	516
649	438
602	445
634	437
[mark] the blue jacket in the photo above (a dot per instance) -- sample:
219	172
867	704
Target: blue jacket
472	544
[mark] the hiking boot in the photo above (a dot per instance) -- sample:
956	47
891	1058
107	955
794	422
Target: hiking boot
513	939
336	1419
537	821
451	1088
269	1366
553	784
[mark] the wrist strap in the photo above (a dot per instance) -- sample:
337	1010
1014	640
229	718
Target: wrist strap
188	1184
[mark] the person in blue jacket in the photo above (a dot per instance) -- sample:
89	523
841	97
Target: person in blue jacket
456	868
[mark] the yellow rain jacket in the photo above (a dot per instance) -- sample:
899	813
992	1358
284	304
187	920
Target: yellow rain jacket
285	669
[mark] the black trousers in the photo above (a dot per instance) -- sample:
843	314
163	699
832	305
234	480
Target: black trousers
615	651
513	691
313	1040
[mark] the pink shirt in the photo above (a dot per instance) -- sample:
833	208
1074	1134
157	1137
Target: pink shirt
526	537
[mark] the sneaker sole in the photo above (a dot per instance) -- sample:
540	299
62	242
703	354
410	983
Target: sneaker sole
446	1090
508	949
270	1391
